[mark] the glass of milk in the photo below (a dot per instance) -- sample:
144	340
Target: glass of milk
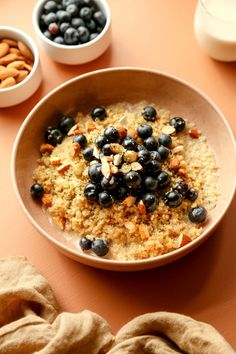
215	28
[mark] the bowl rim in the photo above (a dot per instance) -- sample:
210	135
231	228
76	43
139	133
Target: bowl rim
35	19
105	262
16	31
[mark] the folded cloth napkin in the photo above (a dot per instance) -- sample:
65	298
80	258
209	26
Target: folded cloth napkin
30	322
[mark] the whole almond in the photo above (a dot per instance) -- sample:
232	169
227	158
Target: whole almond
2	67
21	76
8	72
10	81
4	48
7	59
28	67
25	51
17	64
9	41
14	50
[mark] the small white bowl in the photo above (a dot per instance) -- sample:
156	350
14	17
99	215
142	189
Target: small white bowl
75	54
18	93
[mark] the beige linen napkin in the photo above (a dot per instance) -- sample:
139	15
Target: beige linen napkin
30	323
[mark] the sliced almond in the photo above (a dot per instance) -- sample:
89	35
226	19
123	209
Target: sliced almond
25	51
178	149
77	149
8	72
90	126
96	152
114	169
117	148
129	201
182	172
21	76
174	164
55	161
125	168
130	226
47	200
4	48
106	171
60	221
11	42
10	81
17	64
136	166
130	156
63	168
117	159
72	130
46	148
168	129
122	132
142	208
133	133
7	59
144	232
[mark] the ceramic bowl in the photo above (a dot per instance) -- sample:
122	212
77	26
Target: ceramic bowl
74	54
84	92
13	95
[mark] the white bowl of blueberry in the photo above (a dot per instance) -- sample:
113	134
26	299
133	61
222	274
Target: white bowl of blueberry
73	31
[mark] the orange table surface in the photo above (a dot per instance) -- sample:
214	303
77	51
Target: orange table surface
156	34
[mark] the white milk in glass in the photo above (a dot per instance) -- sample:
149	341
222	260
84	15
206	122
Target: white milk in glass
215	28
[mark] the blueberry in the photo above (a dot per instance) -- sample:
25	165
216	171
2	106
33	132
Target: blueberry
63	16
50	6
100	141
181	187
85	243
150	201
47	34
112	134
150	143
191	194
121	193
132	179
59	40
99	112
84	34
149	113
91	25
66	123
86	13
88	154
163	179
197	215
54	136
163	151
153	167
155	155
173	199
100	18
66	3
94	172
99	29
144	131
50	18
165	140
64	26
80	139
141	147
36	190
143	156
178	123
71	36
106	150
53	29
77	22
130	143
150	183
105	199
90	191
72	10
93	36
100	247
109	184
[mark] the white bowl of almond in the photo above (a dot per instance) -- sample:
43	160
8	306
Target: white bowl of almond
20	71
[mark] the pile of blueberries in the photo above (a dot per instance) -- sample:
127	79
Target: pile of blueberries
71	22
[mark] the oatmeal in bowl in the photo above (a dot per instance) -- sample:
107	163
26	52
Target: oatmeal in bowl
121	169
128	181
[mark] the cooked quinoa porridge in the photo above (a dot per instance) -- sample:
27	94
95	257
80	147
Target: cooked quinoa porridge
129	180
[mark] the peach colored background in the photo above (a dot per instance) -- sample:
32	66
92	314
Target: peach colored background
156	34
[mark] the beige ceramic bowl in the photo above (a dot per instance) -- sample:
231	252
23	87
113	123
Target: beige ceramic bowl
13	95
84	92
74	54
